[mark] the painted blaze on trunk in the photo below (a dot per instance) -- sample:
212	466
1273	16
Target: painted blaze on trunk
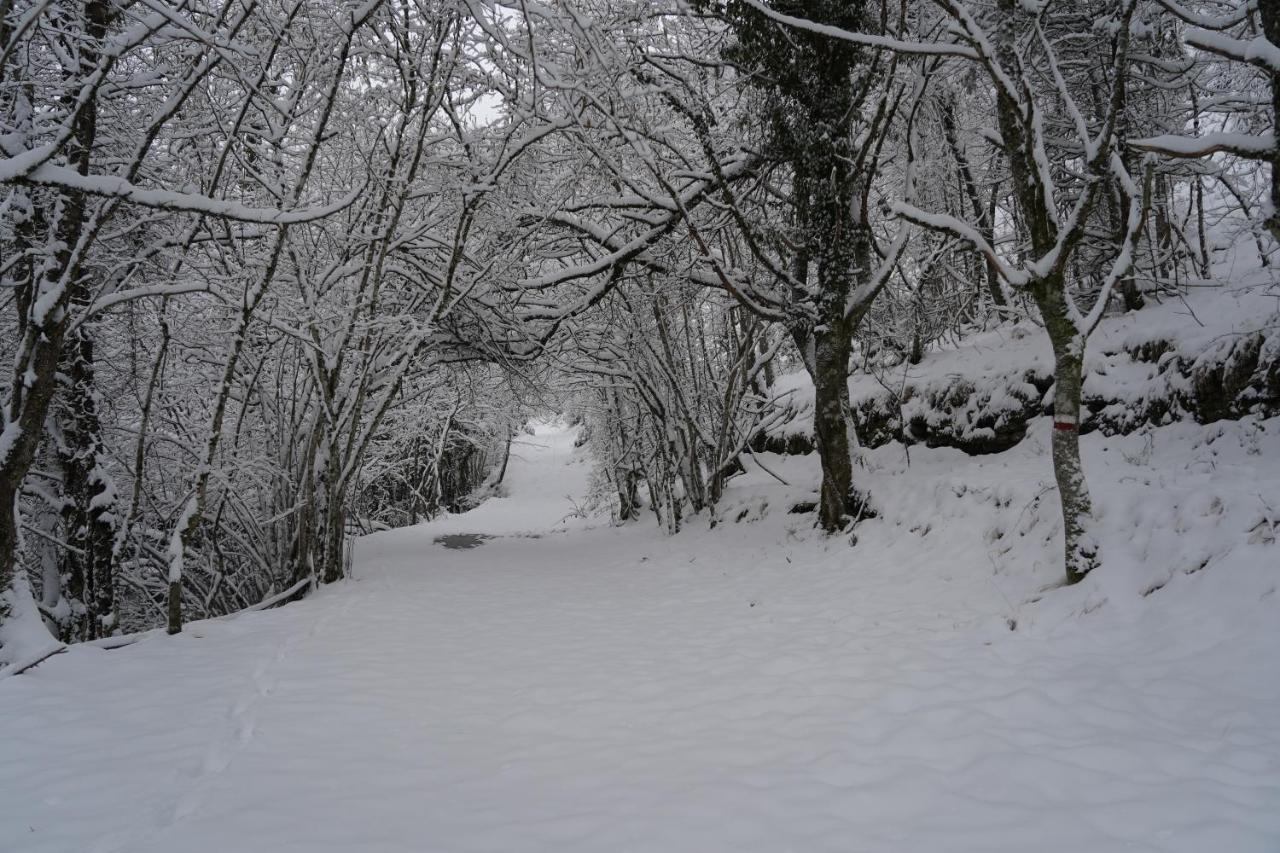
1053	235
1081	549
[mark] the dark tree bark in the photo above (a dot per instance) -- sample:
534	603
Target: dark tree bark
830	368
1269	11
47	314
815	89
983	214
90	512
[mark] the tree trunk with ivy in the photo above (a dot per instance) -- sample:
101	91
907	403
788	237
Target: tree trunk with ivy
44	315
829	369
814	91
1269	11
90	504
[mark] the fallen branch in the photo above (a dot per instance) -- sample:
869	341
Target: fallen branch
31	661
278	598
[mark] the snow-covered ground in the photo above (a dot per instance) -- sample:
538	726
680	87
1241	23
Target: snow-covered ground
567	686
1197	332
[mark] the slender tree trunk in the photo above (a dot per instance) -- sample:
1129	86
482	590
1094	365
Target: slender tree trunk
334	521
304	533
506	457
984	214
1080	546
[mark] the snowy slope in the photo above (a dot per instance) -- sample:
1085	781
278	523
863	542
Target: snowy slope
755	687
1136	371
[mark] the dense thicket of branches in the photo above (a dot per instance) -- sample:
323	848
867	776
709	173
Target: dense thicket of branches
275	271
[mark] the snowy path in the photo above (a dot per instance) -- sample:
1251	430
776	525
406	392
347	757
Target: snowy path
613	690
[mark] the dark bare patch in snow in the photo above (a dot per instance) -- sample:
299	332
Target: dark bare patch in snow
462	541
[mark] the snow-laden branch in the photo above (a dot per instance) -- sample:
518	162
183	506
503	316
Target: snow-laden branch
1257	51
1238	15
883	42
662	225
110	300
947	224
1124	258
1068	101
1259	147
108	186
861	297
985	52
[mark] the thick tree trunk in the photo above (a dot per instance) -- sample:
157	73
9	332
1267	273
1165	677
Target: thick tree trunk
45	327
175	607
28	418
91	513
829	369
628	494
1269	11
34	382
8	541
